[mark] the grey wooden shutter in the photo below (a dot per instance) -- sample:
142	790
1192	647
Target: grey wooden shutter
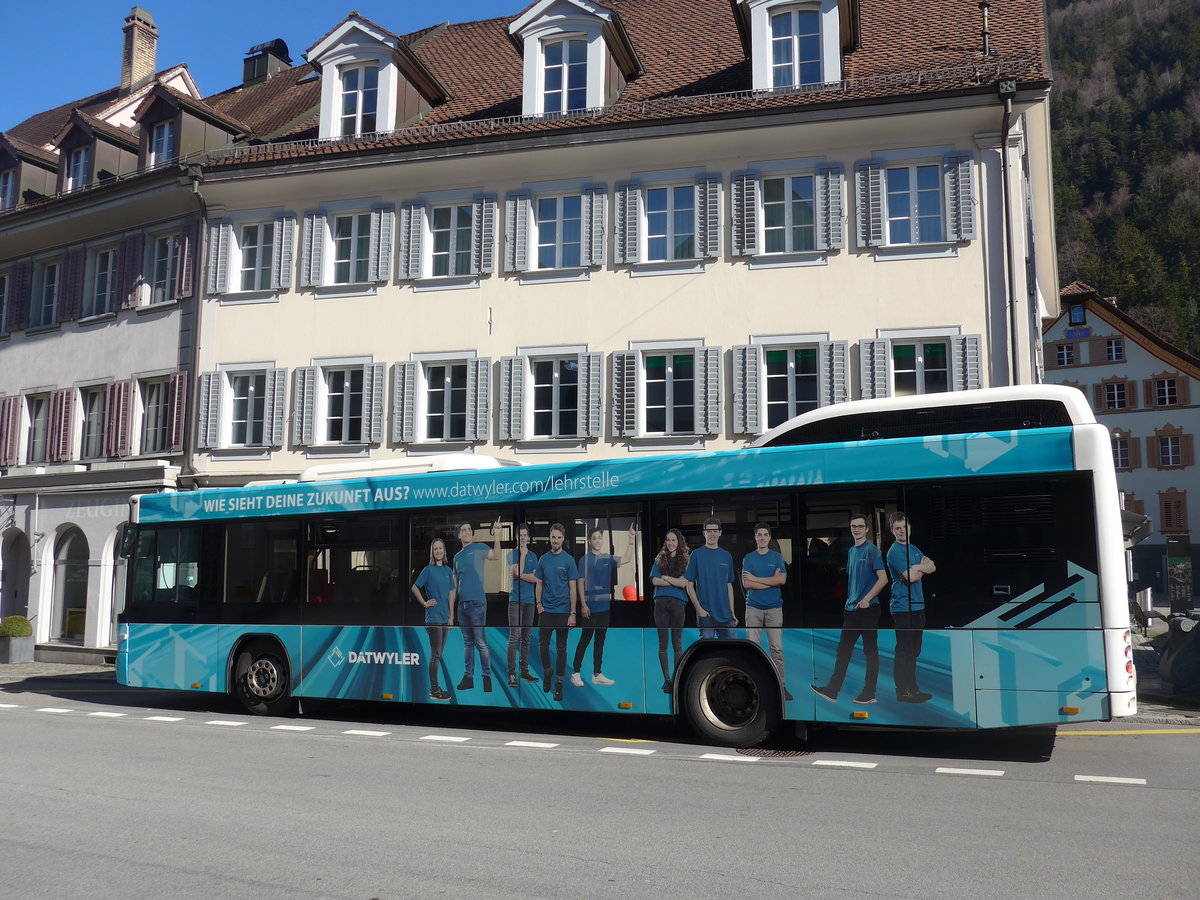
274	407
383	227
626	226
10	427
404	402
873	368
595	222
747	391
177	391
708	216
966	369
744	186
374	390
831	217
868	199
131	258
624	393
483	236
208	411
591	401
833	363
281	266
185	259
708	390
412	224
70	292
516	232
312	249
20	292
304	406
479	408
220	234
118	408
959	183
512	398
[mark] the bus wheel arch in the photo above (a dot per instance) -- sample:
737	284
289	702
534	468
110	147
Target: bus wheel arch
262	676
730	697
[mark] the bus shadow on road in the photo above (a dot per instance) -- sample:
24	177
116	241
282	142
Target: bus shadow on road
1013	745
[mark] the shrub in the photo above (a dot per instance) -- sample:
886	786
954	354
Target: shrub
15	626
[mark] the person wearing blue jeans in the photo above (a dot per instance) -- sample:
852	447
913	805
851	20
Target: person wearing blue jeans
866	577
908	567
763	575
710	584
596	572
557	596
472	602
522	565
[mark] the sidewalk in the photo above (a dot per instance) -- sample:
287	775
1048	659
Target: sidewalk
1156	703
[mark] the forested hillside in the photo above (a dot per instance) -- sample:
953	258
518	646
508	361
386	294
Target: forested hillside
1126	114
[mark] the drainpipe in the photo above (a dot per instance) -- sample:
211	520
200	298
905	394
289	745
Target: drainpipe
1008	90
188	469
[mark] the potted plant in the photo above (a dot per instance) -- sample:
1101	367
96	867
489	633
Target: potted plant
16	640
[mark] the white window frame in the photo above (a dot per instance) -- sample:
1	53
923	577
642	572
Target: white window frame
959	188
668	233
630	402
47	284
227	255
100	281
523	239
760	13
458	257
255	408
90	427
1166	391
153	418
537	31
566	67
1064	354
162	287
557	244
359	68
922	368
417	240
748	208
1120	451
162	142
318	263
410	399
345	418
913	214
8	189
793	41
78	168
37	431
310	405
1114	349
632	221
518	397
256	259
216	403
964	359
832	376
1116	395
352	251
1170	451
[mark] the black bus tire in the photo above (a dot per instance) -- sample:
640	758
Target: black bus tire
730	698
263	680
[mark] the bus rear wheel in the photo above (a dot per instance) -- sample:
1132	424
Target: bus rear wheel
730	700
263	680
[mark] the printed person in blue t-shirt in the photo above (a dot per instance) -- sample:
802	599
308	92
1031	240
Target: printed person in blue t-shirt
908	567
596	572
670	599
763	575
710	584
866	577
472	602
522	564
434	590
557	596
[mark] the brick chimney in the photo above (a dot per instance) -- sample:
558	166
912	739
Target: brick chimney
138	59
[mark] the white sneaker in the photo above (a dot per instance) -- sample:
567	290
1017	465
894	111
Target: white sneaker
576	679
599	678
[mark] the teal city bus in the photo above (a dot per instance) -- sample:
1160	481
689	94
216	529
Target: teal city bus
952	561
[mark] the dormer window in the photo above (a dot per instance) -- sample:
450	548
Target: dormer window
795	48
162	142
565	74
8	189
77	168
360	99
577	56
792	43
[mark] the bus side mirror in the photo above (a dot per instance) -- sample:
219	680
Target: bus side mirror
128	540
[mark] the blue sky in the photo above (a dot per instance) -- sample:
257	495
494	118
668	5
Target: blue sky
56	52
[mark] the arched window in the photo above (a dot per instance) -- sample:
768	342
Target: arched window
70	586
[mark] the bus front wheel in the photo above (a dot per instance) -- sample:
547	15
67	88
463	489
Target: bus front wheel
730	700
264	680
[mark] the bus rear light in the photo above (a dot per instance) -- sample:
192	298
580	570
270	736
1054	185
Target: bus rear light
860	715
389	696
1070	710
624	705
197	684
1129	668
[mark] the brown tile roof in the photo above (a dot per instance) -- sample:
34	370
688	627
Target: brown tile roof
114	133
695	67
25	148
202	108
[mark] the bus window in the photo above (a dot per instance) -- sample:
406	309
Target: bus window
352	570
261	566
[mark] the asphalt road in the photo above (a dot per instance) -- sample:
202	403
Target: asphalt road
110	792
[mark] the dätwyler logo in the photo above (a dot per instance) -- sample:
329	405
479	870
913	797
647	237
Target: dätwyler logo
336	657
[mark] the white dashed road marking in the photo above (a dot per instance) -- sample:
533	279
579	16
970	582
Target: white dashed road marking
55	709
532	745
946	770
725	757
1106	779
228	722
629	751
293	727
107	715
367	733
844	764
446	738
